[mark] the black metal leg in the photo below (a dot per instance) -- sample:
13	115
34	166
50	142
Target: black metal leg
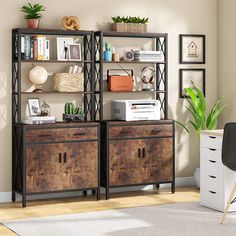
13	196
107	193
98	194
93	192
157	186
173	187
23	200
84	193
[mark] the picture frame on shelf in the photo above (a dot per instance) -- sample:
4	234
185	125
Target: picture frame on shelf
75	52
192	49
63	48
189	77
34	106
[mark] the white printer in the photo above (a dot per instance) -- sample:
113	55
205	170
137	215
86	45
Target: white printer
131	110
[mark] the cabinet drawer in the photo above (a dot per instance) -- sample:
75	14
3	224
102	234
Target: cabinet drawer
212	167
210	154
212	199
163	130
211	141
61	134
212	182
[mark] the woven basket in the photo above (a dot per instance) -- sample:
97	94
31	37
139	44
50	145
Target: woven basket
65	82
129	27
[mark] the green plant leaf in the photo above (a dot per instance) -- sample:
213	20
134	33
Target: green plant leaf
213	123
201	97
215	106
182	125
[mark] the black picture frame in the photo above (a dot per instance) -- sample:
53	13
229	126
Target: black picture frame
193	57
182	77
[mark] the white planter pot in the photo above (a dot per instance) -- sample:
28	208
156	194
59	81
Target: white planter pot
197	177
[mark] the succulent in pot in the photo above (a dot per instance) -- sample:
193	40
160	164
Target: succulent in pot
33	14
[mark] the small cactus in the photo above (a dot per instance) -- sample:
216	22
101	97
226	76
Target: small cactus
71	109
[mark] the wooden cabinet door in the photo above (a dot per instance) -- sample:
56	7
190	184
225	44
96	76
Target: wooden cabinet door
43	168
140	161
47	169
81	167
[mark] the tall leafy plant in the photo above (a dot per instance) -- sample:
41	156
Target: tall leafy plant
197	109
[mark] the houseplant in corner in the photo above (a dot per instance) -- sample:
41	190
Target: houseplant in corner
33	14
200	120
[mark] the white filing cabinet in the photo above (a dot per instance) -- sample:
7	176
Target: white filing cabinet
216	180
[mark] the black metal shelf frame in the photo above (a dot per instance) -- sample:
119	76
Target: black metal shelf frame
161	43
88	68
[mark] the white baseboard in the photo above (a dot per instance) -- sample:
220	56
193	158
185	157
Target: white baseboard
179	182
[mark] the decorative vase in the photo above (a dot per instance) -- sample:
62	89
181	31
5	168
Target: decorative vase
73	117
197	177
33	23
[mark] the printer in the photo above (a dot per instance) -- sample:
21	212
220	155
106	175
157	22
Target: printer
131	110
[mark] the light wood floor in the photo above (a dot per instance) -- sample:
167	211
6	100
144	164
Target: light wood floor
11	211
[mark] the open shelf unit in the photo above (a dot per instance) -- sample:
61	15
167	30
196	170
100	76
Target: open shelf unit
87	61
161	68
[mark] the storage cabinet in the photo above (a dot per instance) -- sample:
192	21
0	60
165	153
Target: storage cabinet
216	180
137	158
49	161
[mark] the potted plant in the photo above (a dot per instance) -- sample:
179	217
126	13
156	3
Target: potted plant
33	14
200	121
72	113
129	24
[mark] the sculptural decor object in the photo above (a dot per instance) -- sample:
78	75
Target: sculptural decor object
70	23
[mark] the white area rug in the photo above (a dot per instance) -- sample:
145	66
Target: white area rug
181	219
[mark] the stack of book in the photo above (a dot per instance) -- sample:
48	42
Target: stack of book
149	56
35	48
39	120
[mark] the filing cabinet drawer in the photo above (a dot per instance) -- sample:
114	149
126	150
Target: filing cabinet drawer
212	182
61	134
140	131
210	154
211	141
212	199
212	167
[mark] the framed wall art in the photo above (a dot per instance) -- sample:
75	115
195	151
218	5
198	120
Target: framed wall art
192	49
188	77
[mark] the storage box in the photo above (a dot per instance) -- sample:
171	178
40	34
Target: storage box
66	82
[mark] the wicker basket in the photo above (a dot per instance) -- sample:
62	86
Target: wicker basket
65	82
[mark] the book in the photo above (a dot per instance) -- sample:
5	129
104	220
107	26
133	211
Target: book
31	48
27	47
22	47
41	47
35	40
47	50
39	119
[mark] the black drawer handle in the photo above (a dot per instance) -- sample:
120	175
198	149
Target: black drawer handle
155	131
123	132
212	192
64	157
212	161
211	176
59	157
212	149
212	137
139	152
144	153
44	135
79	134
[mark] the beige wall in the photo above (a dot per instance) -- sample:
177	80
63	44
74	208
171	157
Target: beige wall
226	58
171	16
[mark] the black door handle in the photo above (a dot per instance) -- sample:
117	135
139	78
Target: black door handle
212	137
59	157
139	152
64	157
79	134
212	149
144	152
211	176
212	192
212	161
44	135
